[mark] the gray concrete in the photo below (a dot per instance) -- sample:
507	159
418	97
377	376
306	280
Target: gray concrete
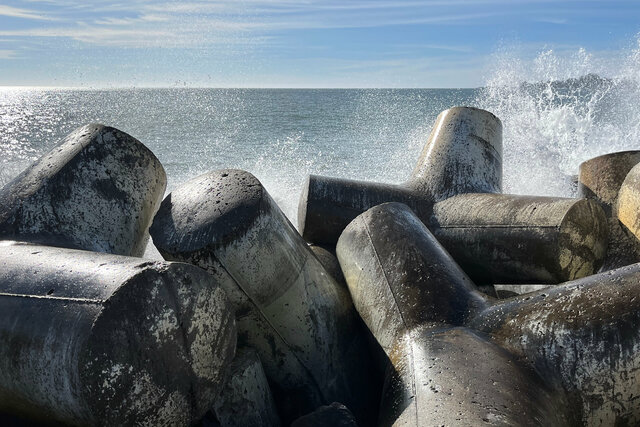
414	298
506	238
601	179
627	213
330	263
463	155
521	239
582	337
445	376
493	237
334	415
96	190
382	253
246	399
96	339
299	320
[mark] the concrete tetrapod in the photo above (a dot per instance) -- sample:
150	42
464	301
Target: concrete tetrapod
298	319
415	300
498	238
329	262
246	399
463	155
494	237
95	339
628	209
581	336
96	190
601	179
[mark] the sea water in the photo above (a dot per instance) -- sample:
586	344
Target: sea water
555	112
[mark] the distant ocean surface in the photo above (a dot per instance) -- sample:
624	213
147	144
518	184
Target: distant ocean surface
282	135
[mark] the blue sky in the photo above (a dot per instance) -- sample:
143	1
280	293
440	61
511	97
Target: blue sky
286	43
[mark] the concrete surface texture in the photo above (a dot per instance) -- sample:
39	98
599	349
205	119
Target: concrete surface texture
601	178
415	300
494	237
245	399
581	337
96	339
97	190
299	320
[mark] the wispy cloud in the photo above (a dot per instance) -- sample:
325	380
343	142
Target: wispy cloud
132	21
557	21
14	12
142	24
8	54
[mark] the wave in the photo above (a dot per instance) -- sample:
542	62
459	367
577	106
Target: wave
558	111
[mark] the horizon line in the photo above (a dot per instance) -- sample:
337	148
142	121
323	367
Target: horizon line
27	87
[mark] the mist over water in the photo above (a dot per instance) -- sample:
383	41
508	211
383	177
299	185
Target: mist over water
553	116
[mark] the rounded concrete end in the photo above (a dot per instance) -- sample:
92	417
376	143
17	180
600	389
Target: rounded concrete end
490	126
159	349
601	177
463	155
210	209
582	240
628	207
400	276
96	190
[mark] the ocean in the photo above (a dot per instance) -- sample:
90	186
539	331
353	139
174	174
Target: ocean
282	135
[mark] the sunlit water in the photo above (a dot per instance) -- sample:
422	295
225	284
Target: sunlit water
283	135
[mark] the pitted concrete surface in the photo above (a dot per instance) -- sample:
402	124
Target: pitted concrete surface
582	337
299	320
96	190
95	339
458	377
246	398
385	249
603	179
521	239
494	237
416	302
463	155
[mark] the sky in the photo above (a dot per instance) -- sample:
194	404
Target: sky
287	43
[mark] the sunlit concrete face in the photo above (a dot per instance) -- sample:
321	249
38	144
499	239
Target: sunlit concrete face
496	238
300	321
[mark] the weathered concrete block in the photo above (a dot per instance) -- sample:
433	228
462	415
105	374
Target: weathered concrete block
413	297
329	262
601	179
299	320
95	339
582	337
386	250
454	376
626	212
96	190
463	155
246	399
521	239
493	237
335	415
